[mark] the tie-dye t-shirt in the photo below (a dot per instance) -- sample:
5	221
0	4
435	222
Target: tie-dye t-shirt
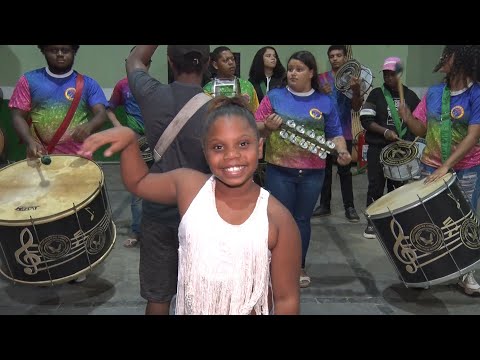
246	88
122	95
315	112
343	103
464	111
48	99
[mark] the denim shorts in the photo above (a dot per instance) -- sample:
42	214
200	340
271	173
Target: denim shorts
158	260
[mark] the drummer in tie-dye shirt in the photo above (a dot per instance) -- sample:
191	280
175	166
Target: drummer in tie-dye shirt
449	115
294	175
44	96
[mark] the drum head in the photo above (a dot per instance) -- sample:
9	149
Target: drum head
398	153
347	71
406	197
49	192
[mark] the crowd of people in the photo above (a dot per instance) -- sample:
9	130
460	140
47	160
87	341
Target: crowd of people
252	256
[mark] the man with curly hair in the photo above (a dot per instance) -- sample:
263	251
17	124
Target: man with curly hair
449	115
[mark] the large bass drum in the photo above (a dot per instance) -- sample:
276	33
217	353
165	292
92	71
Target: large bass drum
428	231
55	220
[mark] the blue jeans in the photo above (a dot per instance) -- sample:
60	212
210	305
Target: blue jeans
468	180
136	209
298	191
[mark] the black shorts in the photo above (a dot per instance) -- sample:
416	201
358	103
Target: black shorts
158	260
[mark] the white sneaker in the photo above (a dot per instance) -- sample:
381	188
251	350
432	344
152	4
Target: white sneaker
469	284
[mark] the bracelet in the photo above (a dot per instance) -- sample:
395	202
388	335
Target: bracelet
385	132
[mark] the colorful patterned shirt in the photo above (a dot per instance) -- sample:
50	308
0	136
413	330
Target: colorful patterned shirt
47	98
122	95
315	111
246	88
464	111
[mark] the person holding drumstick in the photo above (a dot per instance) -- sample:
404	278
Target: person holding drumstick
449	115
45	113
379	116
42	98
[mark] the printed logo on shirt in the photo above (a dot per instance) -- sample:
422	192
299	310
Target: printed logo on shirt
316	114
457	112
389	117
70	94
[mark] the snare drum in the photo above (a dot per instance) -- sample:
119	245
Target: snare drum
55	220
400	161
428	231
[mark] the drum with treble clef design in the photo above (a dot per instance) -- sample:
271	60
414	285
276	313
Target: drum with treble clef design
429	231
55	220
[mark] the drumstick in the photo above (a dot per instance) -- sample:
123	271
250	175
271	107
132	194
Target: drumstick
399	72
43	182
413	142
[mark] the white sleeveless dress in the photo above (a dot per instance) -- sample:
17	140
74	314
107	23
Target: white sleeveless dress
223	268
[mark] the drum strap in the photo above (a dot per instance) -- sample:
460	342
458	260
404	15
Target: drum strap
178	122
68	118
393	110
446	125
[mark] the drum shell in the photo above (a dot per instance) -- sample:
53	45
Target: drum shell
58	245
404	172
448	255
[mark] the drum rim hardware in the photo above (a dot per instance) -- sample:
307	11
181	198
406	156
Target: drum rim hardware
62	214
445	186
356	68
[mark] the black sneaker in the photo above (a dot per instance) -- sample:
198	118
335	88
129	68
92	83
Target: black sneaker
369	232
321	211
352	215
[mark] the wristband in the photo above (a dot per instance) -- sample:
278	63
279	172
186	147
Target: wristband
385	132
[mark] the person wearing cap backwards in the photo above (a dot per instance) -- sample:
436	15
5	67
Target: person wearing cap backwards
379	117
159	104
452	141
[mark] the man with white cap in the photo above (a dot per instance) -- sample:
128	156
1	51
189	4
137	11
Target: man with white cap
379	116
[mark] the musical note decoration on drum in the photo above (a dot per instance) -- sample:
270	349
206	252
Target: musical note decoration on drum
352	68
226	87
401	161
428	231
55	222
308	140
